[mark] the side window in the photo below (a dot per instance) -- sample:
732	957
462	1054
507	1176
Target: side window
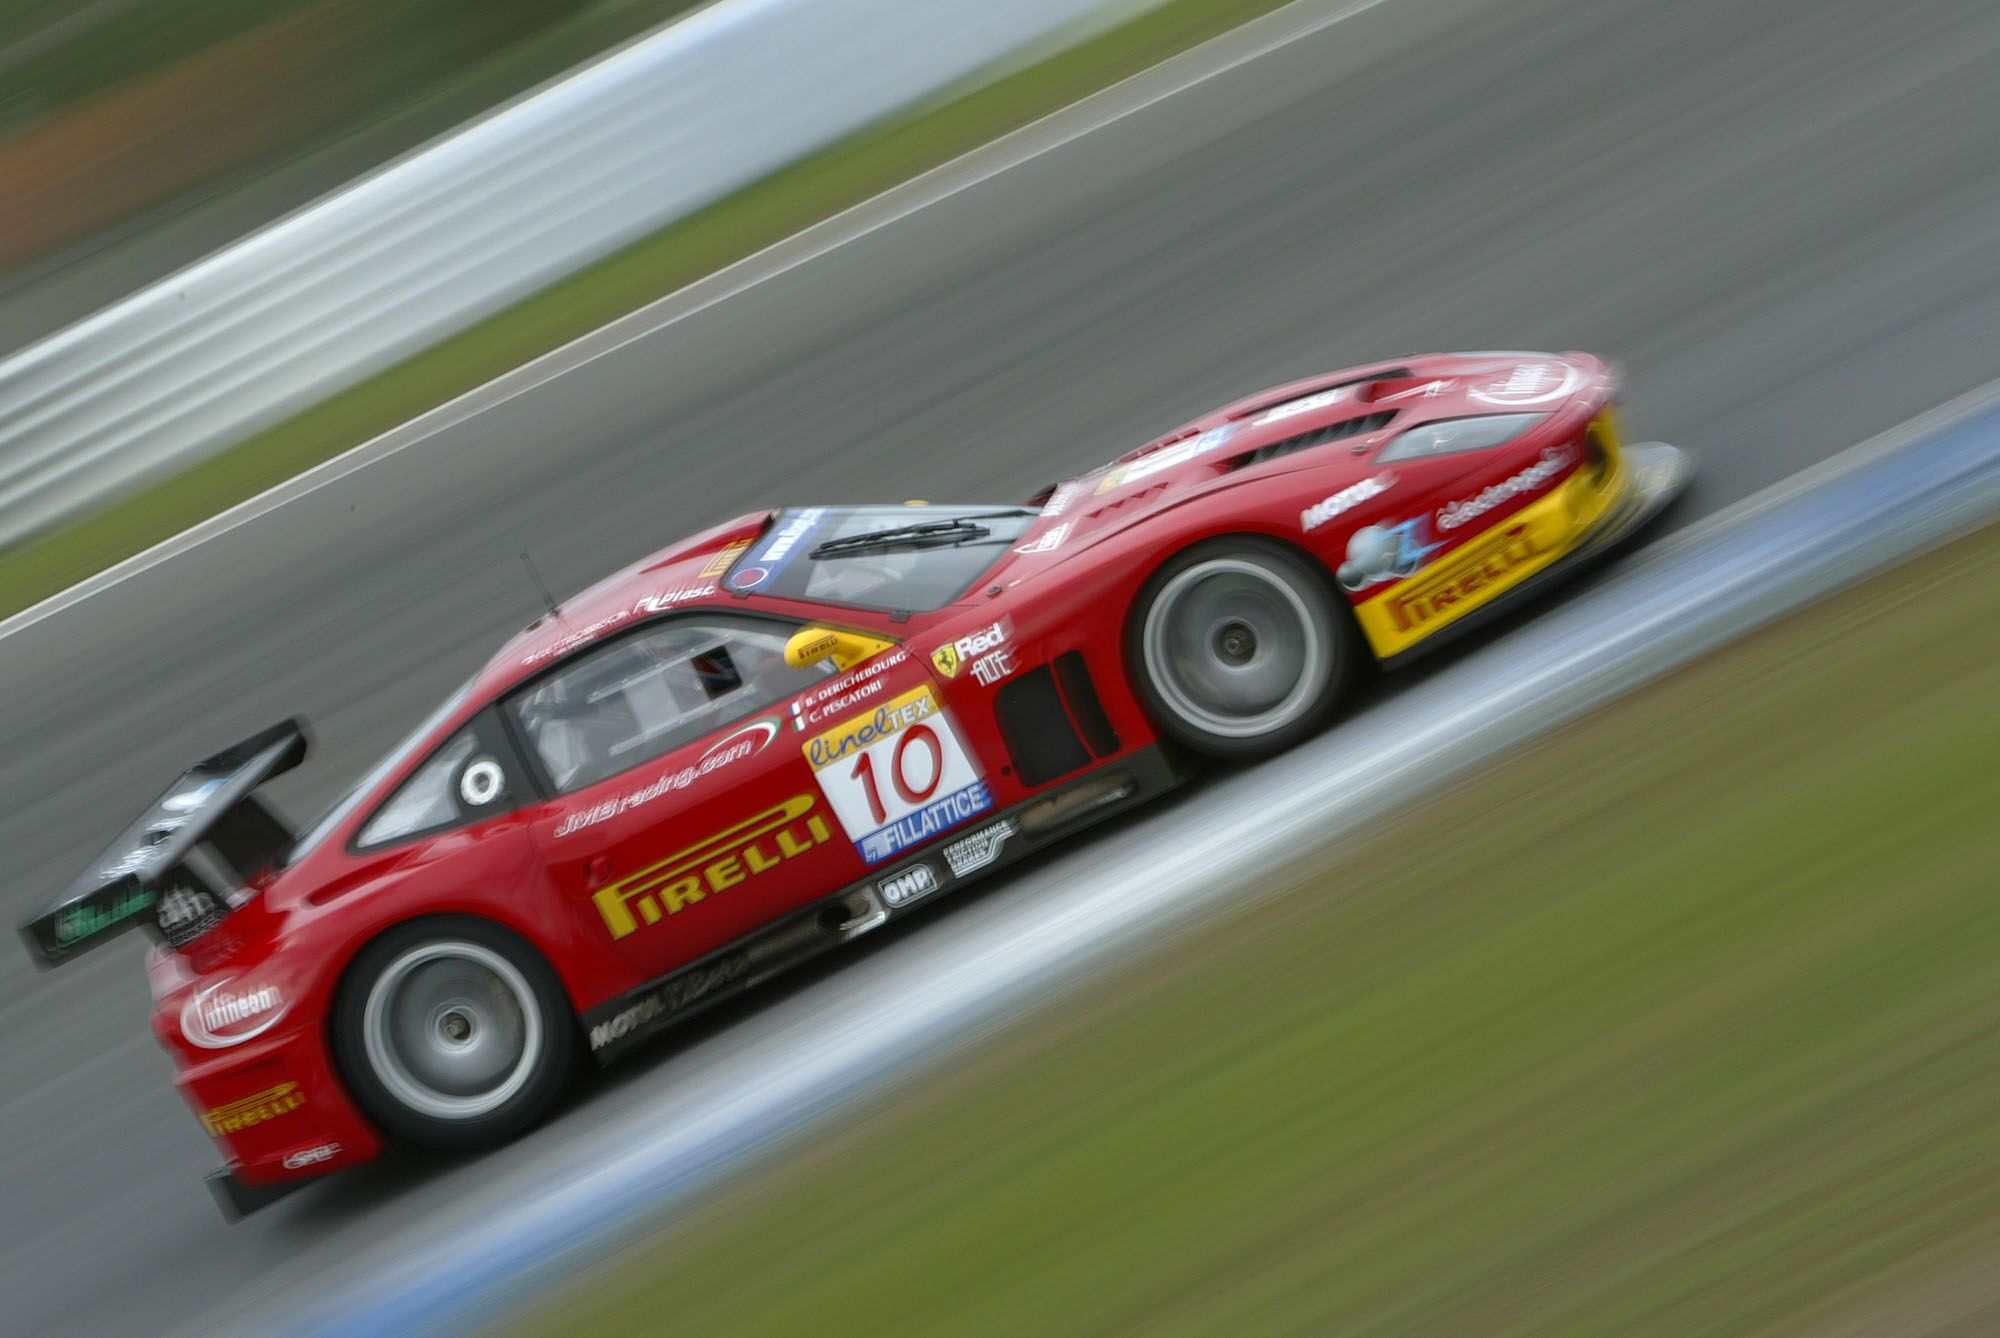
464	780
647	693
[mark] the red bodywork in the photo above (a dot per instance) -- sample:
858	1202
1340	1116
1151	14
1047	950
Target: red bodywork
275	1100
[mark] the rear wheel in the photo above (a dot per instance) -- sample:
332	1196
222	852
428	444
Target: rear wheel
453	1033
1238	649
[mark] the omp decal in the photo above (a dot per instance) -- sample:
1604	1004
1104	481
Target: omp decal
311	1156
898	777
730	857
257	1108
900	889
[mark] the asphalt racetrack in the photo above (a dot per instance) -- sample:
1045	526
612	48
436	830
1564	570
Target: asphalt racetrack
1783	218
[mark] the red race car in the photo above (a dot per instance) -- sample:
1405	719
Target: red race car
782	733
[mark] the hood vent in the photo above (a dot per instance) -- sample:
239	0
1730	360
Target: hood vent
1319	436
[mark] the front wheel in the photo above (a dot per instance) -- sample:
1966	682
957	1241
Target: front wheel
1238	650
453	1033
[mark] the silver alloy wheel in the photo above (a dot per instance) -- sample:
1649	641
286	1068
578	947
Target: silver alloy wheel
452	1029
1233	649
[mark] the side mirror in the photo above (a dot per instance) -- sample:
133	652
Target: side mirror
810	645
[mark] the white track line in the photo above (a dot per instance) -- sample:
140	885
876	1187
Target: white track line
1135	94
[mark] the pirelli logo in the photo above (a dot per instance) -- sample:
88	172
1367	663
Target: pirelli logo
1466	577
731	856
257	1108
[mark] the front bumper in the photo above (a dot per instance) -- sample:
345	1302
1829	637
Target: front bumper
1583	519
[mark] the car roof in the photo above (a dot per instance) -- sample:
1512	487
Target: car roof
681	573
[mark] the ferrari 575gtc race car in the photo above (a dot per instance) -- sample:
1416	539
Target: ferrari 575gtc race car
784	732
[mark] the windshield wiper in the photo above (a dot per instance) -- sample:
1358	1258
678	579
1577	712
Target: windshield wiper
928	534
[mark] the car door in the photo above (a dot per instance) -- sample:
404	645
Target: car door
680	816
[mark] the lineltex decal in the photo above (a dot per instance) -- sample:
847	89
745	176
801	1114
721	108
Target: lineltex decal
898	776
786	540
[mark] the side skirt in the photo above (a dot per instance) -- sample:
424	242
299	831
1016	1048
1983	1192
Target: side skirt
893	891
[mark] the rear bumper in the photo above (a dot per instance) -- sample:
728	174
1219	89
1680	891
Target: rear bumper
238	1200
275	1106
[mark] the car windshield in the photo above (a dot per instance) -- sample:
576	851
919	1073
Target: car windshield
879	557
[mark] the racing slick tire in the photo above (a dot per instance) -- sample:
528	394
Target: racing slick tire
453	1033
1238	650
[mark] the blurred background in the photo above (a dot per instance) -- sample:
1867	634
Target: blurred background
1674	1014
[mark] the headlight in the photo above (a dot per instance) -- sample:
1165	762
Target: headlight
1457	435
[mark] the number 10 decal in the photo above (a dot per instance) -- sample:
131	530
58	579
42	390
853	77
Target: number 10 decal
898	776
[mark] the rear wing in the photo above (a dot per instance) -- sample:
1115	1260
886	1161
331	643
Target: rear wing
173	869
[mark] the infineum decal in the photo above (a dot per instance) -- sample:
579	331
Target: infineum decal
731	856
898	776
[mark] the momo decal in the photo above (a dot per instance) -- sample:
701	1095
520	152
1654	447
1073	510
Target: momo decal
731	857
1344	501
1530	480
898	777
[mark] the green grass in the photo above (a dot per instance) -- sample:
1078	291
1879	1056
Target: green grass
1683	1021
770	211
